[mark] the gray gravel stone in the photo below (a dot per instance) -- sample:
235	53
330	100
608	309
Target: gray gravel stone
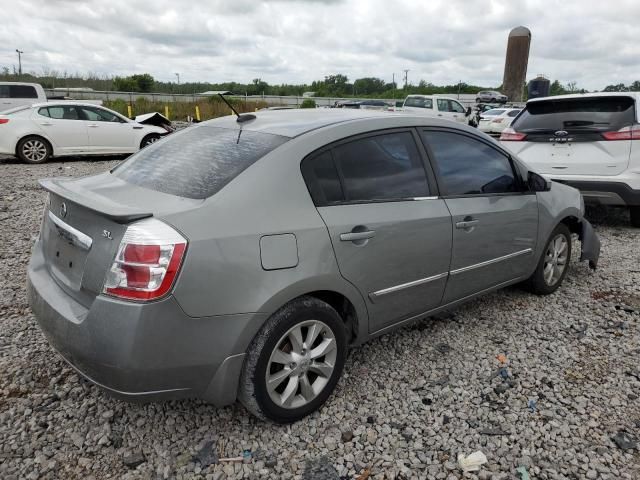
574	352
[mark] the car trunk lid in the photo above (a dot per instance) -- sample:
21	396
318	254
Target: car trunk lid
84	223
568	136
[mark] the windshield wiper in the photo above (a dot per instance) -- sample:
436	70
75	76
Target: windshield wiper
245	117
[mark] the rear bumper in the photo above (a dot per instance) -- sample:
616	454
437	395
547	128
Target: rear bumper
605	193
140	352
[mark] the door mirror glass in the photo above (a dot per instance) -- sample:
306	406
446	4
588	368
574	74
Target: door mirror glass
468	111
537	183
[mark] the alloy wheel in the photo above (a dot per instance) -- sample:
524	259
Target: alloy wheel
555	259
301	364
34	150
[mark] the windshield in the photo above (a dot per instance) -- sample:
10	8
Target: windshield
490	113
198	161
577	114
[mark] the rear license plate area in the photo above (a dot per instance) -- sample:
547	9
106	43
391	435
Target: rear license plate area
66	261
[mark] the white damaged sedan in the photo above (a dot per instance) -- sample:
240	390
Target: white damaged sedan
38	132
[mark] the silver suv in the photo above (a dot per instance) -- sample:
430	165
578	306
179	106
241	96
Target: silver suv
240	259
491	96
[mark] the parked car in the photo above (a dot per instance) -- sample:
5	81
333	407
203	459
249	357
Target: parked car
17	94
38	132
240	259
590	141
436	106
491	96
496	120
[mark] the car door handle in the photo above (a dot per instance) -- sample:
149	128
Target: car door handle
46	124
355	236
439	114
92	125
468	222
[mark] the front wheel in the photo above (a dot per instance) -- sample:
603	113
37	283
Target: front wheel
554	263
149	139
294	362
634	214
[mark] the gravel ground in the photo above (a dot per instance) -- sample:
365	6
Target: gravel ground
408	404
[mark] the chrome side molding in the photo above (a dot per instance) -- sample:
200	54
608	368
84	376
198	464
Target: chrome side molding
526	251
374	295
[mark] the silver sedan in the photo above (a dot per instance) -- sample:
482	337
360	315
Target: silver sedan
241	258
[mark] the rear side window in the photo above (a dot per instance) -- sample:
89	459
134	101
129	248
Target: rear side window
381	167
22	91
418	102
198	161
322	179
577	115
4	91
468	166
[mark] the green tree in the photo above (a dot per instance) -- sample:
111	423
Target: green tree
144	81
557	88
308	103
615	88
125	84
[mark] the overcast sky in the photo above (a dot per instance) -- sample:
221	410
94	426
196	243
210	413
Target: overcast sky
593	43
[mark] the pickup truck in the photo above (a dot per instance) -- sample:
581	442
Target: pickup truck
436	106
16	94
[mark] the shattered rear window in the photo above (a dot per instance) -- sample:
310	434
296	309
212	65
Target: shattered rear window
198	161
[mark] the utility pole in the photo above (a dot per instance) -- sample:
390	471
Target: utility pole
178	76
19	52
406	78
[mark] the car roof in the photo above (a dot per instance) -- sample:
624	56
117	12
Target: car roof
65	102
587	95
293	123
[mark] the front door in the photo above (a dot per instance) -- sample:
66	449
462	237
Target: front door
495	218
391	238
451	110
107	132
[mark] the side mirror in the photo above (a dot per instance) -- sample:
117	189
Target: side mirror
537	183
468	111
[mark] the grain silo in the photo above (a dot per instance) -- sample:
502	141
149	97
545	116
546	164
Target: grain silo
515	65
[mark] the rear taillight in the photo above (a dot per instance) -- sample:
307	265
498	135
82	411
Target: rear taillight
4	120
147	263
625	133
510	135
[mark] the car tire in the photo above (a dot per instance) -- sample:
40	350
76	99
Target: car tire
34	150
303	380
149	139
478	100
493	100
634	216
553	264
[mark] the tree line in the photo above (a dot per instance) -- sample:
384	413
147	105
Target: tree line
337	85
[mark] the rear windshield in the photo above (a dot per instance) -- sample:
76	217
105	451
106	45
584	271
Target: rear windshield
198	161
575	115
419	102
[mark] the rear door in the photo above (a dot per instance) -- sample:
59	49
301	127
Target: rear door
576	136
107	132
391	237
63	125
495	218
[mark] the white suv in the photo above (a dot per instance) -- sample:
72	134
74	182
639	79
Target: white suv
589	141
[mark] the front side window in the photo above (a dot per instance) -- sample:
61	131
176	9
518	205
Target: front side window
198	161
22	91
456	107
99	115
381	167
468	166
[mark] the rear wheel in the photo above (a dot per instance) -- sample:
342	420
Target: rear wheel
553	264
294	362
634	214
477	100
33	150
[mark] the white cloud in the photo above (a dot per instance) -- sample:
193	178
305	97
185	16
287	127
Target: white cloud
295	41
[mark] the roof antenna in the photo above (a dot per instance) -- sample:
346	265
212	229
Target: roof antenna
245	117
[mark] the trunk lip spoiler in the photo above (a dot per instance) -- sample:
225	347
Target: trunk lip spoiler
117	213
